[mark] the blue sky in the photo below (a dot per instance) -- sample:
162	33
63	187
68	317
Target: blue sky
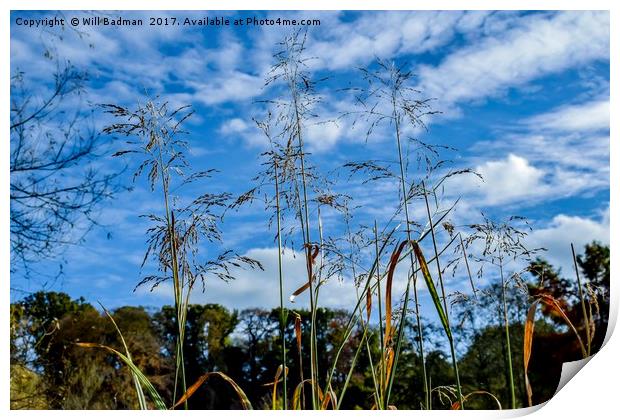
524	97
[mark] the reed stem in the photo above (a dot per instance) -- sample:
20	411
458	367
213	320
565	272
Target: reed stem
455	365
281	282
396	117
586	320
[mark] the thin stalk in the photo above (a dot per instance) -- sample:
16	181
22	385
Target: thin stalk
353	317
280	278
313	357
430	385
471	280
348	378
318	276
303	234
381	343
301	370
513	398
177	284
455	365
396	118
366	291
377	386
586	320
365	326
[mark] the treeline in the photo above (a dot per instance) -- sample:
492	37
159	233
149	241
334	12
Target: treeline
48	369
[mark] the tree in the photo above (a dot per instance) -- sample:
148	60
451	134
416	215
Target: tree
207	337
49	371
57	180
593	267
46	326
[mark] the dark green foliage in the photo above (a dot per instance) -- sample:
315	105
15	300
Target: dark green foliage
208	330
46	327
49	371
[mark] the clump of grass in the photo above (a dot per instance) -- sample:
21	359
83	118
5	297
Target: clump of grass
390	106
388	89
178	237
288	169
503	242
446	313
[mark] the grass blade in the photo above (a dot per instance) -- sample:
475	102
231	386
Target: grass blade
298	394
243	399
586	320
276	379
139	390
431	288
368	304
155	397
457	404
551	301
388	291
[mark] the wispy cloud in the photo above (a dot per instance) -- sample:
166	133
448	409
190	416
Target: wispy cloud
538	46
589	116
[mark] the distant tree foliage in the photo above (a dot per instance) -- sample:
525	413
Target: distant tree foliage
49	371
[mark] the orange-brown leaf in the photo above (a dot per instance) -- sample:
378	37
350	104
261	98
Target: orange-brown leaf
552	302
457	405
311	254
368	304
275	385
527	346
389	361
330	397
299	291
191	390
388	291
243	399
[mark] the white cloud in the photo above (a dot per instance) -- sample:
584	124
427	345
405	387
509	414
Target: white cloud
563	230
589	116
387	34
256	288
322	137
234	126
539	46
586	153
504	181
510	179
233	71
227	86
240	130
